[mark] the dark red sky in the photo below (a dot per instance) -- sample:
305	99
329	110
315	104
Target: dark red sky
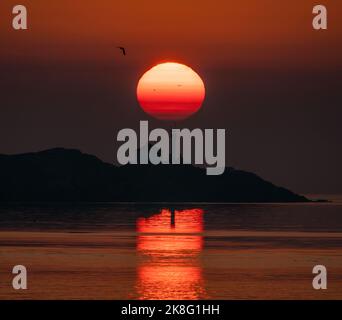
272	81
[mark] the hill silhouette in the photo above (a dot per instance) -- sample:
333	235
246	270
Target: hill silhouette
69	175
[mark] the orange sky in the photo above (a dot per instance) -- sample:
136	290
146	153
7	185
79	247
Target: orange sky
220	32
271	81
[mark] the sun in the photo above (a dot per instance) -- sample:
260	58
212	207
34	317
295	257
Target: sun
171	91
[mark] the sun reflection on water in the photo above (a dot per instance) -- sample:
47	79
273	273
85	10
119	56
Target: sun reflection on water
169	245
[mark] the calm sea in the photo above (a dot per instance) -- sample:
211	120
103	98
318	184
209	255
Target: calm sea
178	251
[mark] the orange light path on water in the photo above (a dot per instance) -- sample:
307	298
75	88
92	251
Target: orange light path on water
186	221
169	251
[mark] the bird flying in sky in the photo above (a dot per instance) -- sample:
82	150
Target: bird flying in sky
123	50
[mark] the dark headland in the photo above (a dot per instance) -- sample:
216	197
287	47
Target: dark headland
69	175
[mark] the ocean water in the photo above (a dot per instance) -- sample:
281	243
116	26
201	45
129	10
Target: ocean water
164	251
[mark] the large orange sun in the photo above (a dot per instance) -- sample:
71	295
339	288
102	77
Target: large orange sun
170	91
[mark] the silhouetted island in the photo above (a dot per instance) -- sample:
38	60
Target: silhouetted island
69	175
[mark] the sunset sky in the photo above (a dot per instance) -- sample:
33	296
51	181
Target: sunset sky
271	80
